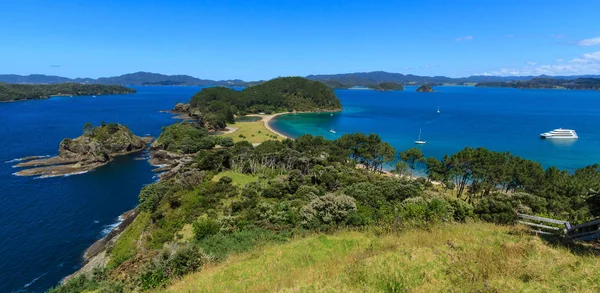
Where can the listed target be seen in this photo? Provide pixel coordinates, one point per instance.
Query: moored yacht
(560, 134)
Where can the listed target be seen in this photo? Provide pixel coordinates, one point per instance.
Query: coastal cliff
(96, 147)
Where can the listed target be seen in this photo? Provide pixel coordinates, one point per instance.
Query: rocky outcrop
(95, 148)
(425, 89)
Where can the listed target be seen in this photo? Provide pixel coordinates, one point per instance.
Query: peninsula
(96, 147)
(217, 106)
(18, 92)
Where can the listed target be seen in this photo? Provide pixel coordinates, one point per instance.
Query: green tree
(412, 156)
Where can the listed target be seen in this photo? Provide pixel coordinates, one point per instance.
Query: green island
(94, 148)
(425, 89)
(387, 86)
(18, 92)
(548, 83)
(313, 214)
(217, 106)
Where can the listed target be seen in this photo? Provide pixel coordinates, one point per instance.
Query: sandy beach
(267, 119)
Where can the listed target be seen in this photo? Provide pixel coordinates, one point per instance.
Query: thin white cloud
(465, 38)
(588, 63)
(530, 63)
(589, 42)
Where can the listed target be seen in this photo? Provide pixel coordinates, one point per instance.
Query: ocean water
(46, 224)
(495, 118)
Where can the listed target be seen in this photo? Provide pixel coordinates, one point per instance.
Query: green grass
(460, 257)
(239, 179)
(254, 132)
(126, 245)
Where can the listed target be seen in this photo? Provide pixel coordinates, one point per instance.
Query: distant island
(548, 83)
(94, 148)
(217, 106)
(425, 89)
(17, 92)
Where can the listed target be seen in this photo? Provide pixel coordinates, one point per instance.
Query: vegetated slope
(13, 92)
(475, 257)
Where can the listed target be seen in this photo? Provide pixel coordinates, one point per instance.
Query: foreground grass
(461, 257)
(254, 132)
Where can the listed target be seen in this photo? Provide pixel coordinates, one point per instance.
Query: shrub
(225, 180)
(174, 261)
(206, 143)
(419, 211)
(462, 210)
(205, 227)
(307, 192)
(226, 142)
(496, 209)
(328, 210)
(151, 195)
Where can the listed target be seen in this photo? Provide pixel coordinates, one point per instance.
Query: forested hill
(137, 78)
(536, 83)
(15, 92)
(284, 94)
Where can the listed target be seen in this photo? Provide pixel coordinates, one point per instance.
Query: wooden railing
(585, 232)
(543, 227)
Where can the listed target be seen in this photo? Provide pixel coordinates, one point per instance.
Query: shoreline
(266, 119)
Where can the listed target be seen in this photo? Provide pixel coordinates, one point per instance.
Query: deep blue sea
(498, 119)
(46, 224)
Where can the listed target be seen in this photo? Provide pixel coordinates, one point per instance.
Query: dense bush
(328, 210)
(174, 261)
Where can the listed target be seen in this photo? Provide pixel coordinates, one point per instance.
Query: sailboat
(438, 110)
(419, 141)
(332, 130)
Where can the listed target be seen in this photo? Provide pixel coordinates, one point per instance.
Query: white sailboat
(332, 130)
(438, 110)
(419, 141)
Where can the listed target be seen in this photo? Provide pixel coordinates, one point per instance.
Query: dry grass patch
(461, 257)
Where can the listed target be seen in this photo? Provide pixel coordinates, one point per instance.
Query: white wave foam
(111, 227)
(21, 159)
(33, 281)
(61, 175)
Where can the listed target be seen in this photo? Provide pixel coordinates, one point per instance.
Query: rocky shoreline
(95, 148)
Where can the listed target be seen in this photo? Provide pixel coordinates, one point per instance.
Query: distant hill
(370, 79)
(138, 78)
(345, 80)
(540, 82)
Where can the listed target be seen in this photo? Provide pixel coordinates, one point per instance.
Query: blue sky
(247, 40)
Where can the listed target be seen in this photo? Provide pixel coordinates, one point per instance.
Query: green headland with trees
(17, 92)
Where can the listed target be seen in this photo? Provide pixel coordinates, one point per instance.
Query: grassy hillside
(459, 257)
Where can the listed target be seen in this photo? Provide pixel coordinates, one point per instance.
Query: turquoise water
(498, 119)
(46, 224)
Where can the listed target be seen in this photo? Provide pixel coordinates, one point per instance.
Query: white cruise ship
(560, 134)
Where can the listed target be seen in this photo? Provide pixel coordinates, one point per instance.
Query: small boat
(419, 141)
(331, 114)
(438, 110)
(560, 134)
(332, 130)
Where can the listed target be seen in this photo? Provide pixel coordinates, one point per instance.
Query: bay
(500, 119)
